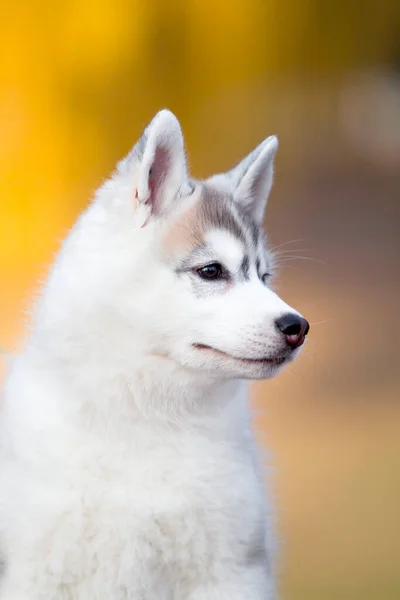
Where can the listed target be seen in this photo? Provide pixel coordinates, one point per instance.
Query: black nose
(295, 328)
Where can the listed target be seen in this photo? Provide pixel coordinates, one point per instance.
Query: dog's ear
(251, 180)
(160, 163)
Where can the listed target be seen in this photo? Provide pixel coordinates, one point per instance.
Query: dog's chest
(165, 510)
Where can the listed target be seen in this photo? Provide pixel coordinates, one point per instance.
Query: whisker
(316, 260)
(273, 248)
(282, 266)
(314, 323)
(284, 252)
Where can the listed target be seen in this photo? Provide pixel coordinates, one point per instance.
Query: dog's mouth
(273, 361)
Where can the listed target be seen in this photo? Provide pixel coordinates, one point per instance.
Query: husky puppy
(128, 469)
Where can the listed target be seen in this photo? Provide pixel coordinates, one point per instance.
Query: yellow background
(79, 81)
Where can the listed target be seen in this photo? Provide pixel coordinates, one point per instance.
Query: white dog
(128, 469)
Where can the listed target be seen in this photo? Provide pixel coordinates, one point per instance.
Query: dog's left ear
(160, 163)
(252, 178)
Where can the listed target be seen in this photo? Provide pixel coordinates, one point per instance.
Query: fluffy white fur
(127, 465)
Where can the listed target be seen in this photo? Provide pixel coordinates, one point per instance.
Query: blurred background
(79, 80)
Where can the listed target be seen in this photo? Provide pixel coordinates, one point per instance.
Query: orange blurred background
(80, 80)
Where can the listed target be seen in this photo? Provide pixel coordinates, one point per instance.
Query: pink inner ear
(157, 176)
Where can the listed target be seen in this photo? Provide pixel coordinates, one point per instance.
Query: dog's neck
(108, 394)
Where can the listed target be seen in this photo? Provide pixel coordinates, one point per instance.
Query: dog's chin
(243, 367)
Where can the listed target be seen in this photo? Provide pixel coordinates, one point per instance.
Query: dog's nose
(294, 328)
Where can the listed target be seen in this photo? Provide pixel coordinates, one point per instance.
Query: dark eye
(212, 271)
(266, 277)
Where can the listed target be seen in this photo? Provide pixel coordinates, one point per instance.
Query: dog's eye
(212, 271)
(266, 277)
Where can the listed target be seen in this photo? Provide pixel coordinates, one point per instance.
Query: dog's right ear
(250, 181)
(159, 163)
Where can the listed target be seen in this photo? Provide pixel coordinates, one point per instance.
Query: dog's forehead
(217, 211)
(209, 209)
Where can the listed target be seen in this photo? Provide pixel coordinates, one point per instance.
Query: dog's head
(184, 264)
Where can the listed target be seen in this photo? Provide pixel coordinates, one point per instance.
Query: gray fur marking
(245, 267)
